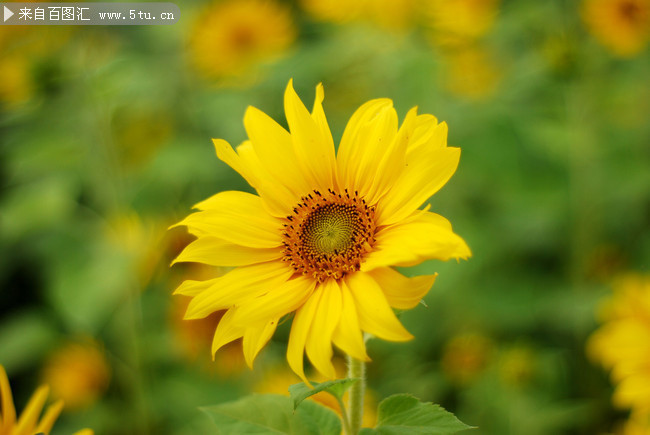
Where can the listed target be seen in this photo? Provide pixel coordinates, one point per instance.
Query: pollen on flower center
(328, 234)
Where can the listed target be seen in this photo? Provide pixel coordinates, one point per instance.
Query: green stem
(356, 369)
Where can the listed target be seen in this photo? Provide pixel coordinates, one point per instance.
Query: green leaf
(272, 414)
(337, 388)
(403, 414)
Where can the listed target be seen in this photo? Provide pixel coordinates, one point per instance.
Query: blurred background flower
(622, 26)
(105, 142)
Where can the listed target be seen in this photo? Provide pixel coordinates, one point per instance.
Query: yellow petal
(347, 335)
(427, 133)
(428, 169)
(313, 150)
(366, 138)
(393, 161)
(192, 288)
(255, 338)
(228, 155)
(218, 252)
(85, 432)
(8, 409)
(226, 331)
(239, 219)
(375, 315)
(274, 147)
(299, 332)
(318, 114)
(401, 292)
(275, 197)
(52, 413)
(426, 236)
(30, 414)
(237, 286)
(319, 340)
(346, 150)
(287, 297)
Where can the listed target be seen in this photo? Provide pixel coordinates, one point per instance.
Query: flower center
(630, 11)
(328, 234)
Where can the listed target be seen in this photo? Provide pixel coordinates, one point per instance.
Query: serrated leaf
(272, 414)
(403, 414)
(337, 388)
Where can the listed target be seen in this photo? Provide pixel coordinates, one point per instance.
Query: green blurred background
(105, 142)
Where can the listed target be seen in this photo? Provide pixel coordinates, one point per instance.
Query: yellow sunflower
(28, 423)
(623, 26)
(232, 36)
(622, 344)
(77, 373)
(322, 235)
(460, 22)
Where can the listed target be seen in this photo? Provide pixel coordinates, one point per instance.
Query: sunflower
(77, 373)
(232, 36)
(622, 26)
(27, 423)
(622, 344)
(322, 235)
(460, 22)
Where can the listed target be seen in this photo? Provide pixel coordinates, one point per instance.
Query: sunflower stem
(356, 369)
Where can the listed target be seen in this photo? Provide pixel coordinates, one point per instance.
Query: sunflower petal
(7, 401)
(299, 333)
(401, 292)
(226, 331)
(347, 335)
(318, 114)
(30, 414)
(366, 138)
(228, 155)
(51, 414)
(239, 219)
(375, 315)
(255, 338)
(275, 197)
(192, 288)
(428, 169)
(393, 161)
(287, 297)
(274, 147)
(319, 341)
(237, 286)
(314, 153)
(218, 252)
(427, 235)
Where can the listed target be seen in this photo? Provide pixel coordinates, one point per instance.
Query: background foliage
(105, 142)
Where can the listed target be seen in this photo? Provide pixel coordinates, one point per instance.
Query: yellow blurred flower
(336, 11)
(465, 357)
(470, 73)
(28, 422)
(139, 132)
(322, 235)
(396, 15)
(389, 14)
(138, 241)
(636, 425)
(278, 380)
(15, 85)
(460, 22)
(232, 36)
(516, 366)
(622, 343)
(22, 47)
(622, 26)
(77, 373)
